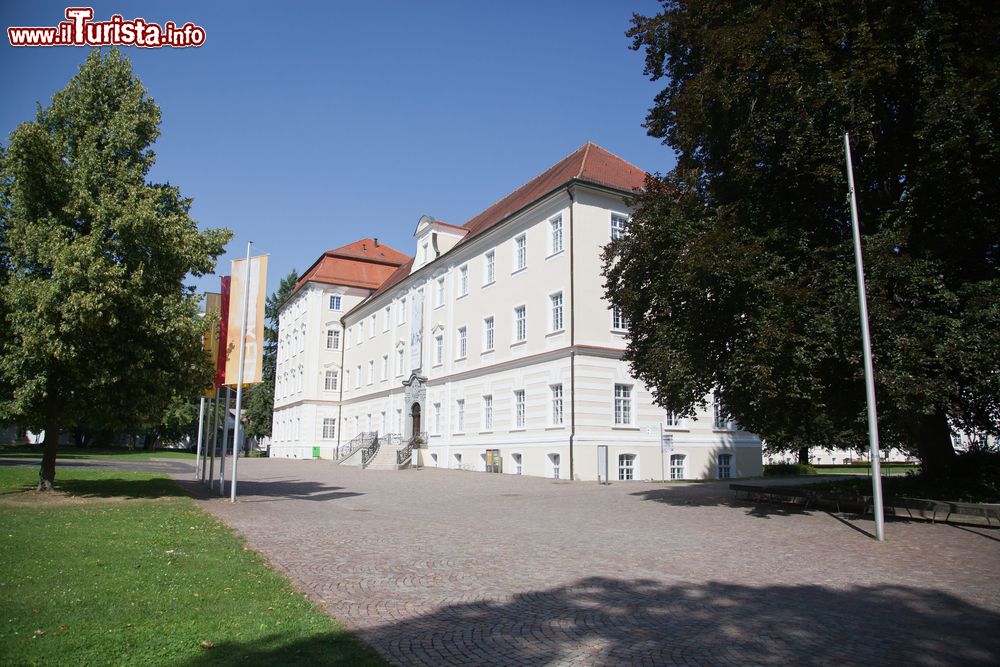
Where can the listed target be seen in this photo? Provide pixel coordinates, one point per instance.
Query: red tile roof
(365, 263)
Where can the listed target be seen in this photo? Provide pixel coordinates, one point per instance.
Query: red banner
(220, 364)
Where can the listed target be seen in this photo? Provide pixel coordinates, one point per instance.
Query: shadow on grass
(258, 491)
(161, 487)
(604, 621)
(333, 648)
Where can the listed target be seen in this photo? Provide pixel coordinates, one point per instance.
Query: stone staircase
(387, 457)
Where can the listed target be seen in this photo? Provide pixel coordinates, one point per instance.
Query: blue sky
(304, 126)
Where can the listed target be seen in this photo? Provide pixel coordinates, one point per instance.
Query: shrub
(788, 469)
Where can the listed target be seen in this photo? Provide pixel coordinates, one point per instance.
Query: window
(463, 281)
(329, 428)
(371, 371)
(347, 378)
(488, 334)
(460, 415)
(399, 420)
(557, 404)
(361, 331)
(556, 301)
(554, 465)
(385, 367)
(489, 273)
(387, 318)
(372, 334)
(439, 292)
(438, 350)
(302, 341)
(618, 320)
(458, 461)
(299, 379)
(332, 339)
(463, 342)
(488, 412)
(672, 418)
(721, 419)
(334, 302)
(437, 417)
(399, 361)
(520, 324)
(626, 466)
(557, 234)
(517, 463)
(401, 311)
(520, 252)
(519, 408)
(617, 226)
(330, 381)
(424, 252)
(371, 425)
(623, 404)
(677, 466)
(382, 425)
(725, 466)
(357, 378)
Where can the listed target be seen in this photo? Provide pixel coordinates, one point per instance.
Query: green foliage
(788, 469)
(260, 397)
(131, 572)
(738, 272)
(99, 326)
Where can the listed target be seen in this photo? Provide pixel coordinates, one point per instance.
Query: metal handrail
(369, 453)
(359, 441)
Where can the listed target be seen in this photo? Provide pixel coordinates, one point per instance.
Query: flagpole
(225, 442)
(239, 382)
(213, 438)
(867, 346)
(201, 432)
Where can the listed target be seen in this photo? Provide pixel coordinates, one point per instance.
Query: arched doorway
(415, 416)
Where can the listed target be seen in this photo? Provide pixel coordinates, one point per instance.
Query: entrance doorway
(415, 415)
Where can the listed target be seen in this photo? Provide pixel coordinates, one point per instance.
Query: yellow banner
(213, 309)
(254, 341)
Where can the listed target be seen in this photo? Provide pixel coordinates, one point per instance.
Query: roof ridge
(586, 154)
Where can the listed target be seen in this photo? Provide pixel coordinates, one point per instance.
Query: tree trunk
(804, 455)
(149, 442)
(933, 444)
(131, 442)
(47, 473)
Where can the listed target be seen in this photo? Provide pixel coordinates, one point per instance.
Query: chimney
(376, 241)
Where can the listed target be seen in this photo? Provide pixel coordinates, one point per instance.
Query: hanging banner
(416, 328)
(212, 340)
(253, 355)
(223, 349)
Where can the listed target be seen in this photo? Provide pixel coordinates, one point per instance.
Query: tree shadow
(604, 621)
(331, 649)
(160, 487)
(258, 491)
(719, 495)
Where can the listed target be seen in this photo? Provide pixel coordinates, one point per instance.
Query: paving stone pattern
(440, 567)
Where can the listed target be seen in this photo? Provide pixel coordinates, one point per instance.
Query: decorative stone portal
(415, 397)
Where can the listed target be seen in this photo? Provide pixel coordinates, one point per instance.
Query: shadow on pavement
(257, 491)
(603, 621)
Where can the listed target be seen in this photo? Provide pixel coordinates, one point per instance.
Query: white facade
(504, 342)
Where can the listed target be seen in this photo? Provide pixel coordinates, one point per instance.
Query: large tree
(260, 400)
(98, 324)
(738, 272)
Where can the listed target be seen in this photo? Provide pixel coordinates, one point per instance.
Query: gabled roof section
(365, 263)
(590, 163)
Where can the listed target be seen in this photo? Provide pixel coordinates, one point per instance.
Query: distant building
(495, 342)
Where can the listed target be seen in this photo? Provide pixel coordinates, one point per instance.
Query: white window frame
(489, 268)
(374, 319)
(460, 415)
(438, 349)
(672, 420)
(463, 280)
(371, 371)
(618, 320)
(439, 293)
(721, 420)
(520, 324)
(487, 413)
(335, 302)
(554, 463)
(678, 466)
(556, 241)
(437, 418)
(462, 336)
(332, 339)
(329, 428)
(401, 313)
(385, 368)
(387, 323)
(330, 380)
(618, 230)
(623, 407)
(520, 252)
(724, 470)
(627, 466)
(519, 409)
(400, 360)
(489, 333)
(357, 380)
(518, 460)
(556, 401)
(557, 320)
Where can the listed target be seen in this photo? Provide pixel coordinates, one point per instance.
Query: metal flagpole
(201, 432)
(663, 472)
(239, 382)
(225, 443)
(867, 345)
(214, 439)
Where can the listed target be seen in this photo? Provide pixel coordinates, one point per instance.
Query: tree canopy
(260, 402)
(738, 274)
(98, 324)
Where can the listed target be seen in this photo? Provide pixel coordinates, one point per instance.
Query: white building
(495, 342)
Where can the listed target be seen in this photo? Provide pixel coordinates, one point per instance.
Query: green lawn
(116, 453)
(123, 569)
(865, 469)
